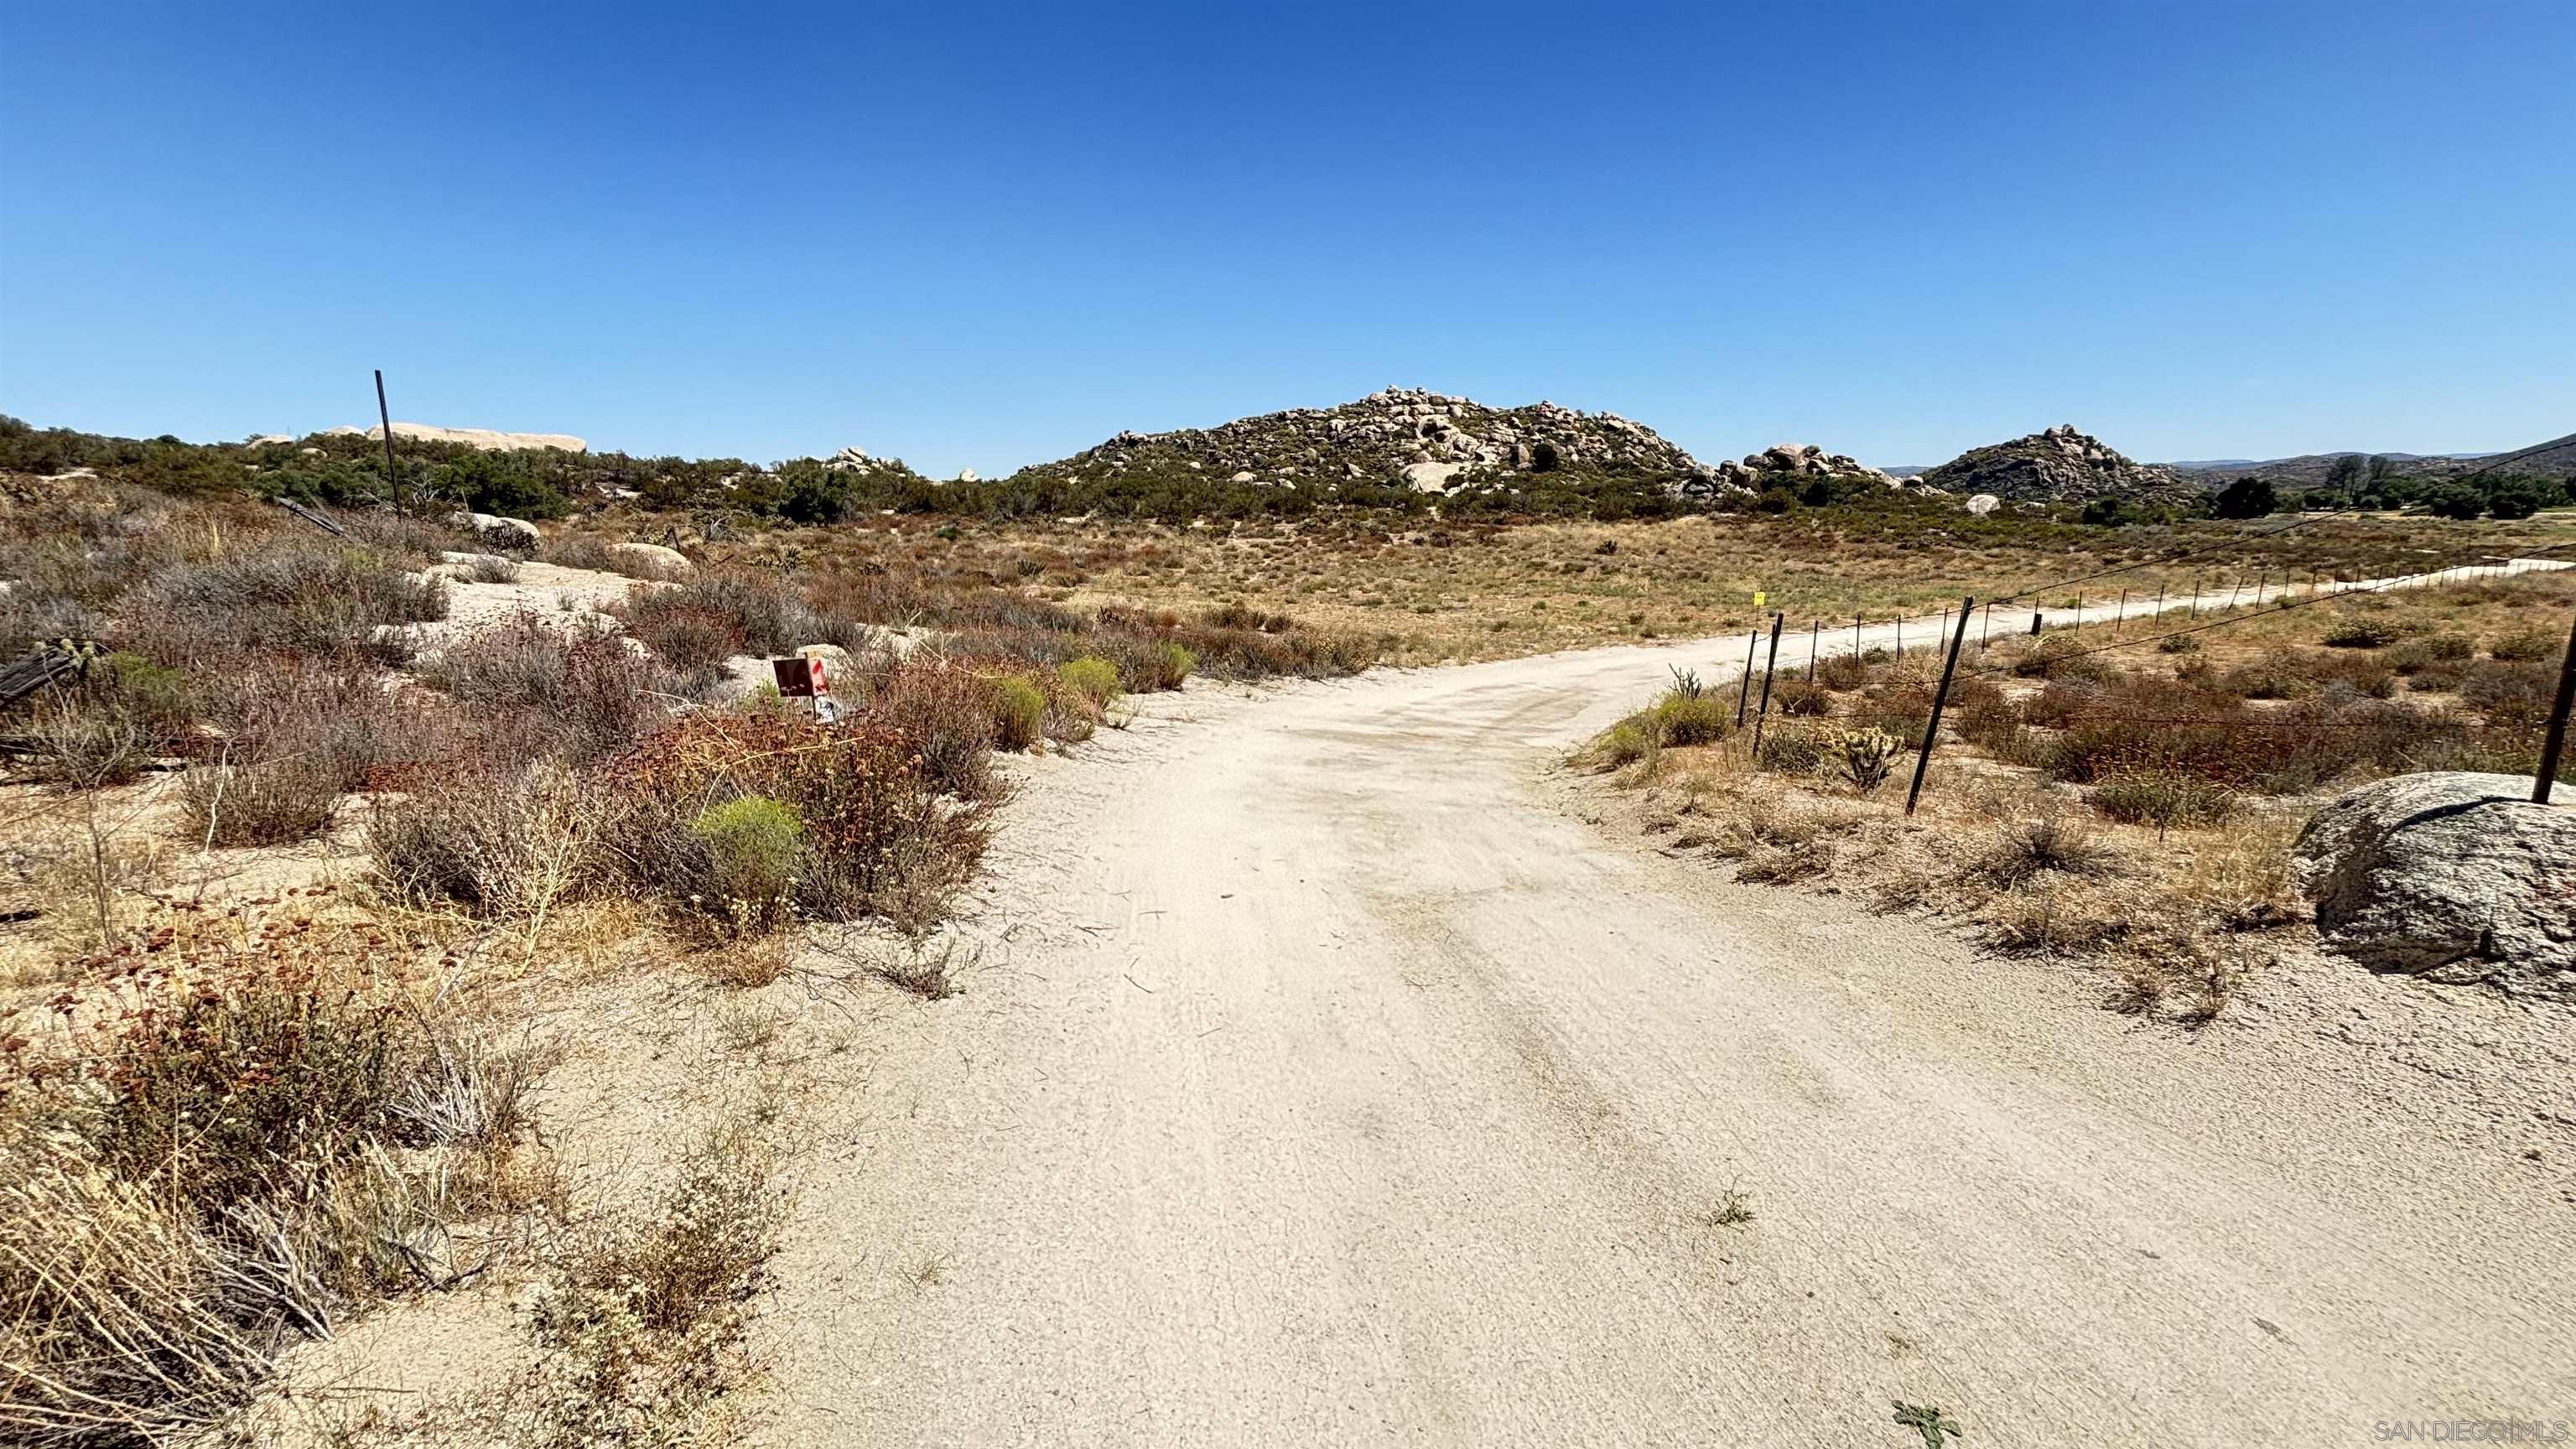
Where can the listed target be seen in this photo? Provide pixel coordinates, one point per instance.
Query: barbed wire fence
(2321, 589)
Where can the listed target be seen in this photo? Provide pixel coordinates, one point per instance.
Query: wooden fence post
(1940, 697)
(1814, 631)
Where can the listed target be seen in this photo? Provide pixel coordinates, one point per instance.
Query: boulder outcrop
(2059, 465)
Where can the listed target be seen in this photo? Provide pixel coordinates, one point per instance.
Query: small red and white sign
(801, 677)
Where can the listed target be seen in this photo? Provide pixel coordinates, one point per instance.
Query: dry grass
(1426, 591)
(259, 1128)
(641, 1325)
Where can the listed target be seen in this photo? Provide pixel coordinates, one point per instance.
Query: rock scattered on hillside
(2454, 875)
(1402, 436)
(2060, 465)
(1789, 461)
(483, 438)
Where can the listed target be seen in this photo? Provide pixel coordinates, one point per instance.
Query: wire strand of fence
(2305, 601)
(2252, 540)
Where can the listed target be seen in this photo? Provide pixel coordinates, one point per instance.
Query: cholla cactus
(1867, 755)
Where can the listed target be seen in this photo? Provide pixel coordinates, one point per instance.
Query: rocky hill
(2060, 465)
(1426, 441)
(1421, 441)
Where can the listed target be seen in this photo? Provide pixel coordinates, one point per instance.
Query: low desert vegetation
(287, 823)
(2128, 804)
(302, 825)
(258, 1122)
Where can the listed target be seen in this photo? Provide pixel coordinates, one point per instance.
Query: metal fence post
(393, 480)
(1940, 697)
(1744, 696)
(1814, 630)
(2556, 740)
(1769, 661)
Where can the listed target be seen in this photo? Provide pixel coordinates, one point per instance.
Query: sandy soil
(1328, 1079)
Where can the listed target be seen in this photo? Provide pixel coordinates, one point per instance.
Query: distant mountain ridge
(2309, 470)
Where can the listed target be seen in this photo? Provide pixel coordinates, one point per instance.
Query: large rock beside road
(2456, 875)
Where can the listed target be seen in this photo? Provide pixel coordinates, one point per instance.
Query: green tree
(2456, 498)
(2110, 511)
(2517, 496)
(2248, 497)
(2345, 475)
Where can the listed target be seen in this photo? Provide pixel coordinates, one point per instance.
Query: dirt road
(1328, 1081)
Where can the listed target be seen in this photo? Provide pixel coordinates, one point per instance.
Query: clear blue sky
(983, 235)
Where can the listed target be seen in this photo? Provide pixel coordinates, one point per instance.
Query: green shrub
(1019, 712)
(1798, 697)
(268, 801)
(2522, 646)
(2415, 655)
(1153, 667)
(1628, 741)
(2063, 656)
(1682, 720)
(2164, 799)
(1796, 751)
(1092, 677)
(2362, 634)
(1842, 671)
(2270, 679)
(754, 842)
(156, 695)
(2178, 644)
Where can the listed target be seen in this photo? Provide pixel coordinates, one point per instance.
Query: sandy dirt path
(1327, 1080)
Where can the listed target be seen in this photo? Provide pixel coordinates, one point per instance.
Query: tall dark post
(1985, 625)
(1769, 661)
(2122, 616)
(1744, 696)
(1940, 697)
(2556, 740)
(1815, 631)
(1855, 636)
(393, 479)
